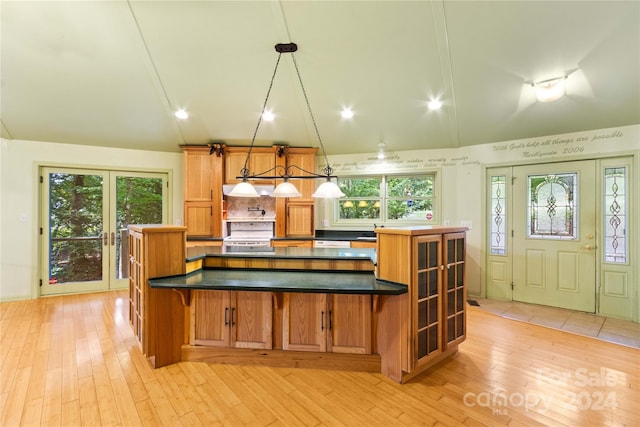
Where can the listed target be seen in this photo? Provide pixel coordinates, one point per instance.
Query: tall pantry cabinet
(428, 323)
(203, 203)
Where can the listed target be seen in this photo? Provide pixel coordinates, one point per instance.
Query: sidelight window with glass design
(615, 215)
(552, 205)
(498, 215)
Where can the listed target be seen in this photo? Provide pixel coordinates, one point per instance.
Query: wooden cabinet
(302, 158)
(300, 219)
(455, 292)
(262, 159)
(363, 244)
(290, 243)
(232, 319)
(335, 323)
(203, 204)
(430, 320)
(156, 251)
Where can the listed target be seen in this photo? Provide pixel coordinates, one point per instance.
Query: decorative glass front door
(554, 235)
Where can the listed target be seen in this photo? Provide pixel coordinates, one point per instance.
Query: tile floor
(604, 328)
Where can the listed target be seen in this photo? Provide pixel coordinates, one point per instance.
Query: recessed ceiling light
(434, 104)
(346, 113)
(267, 116)
(182, 114)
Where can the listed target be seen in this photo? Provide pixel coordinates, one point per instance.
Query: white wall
(19, 162)
(463, 169)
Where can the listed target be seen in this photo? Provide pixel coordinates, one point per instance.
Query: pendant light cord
(245, 171)
(327, 170)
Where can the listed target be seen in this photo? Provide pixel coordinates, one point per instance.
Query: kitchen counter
(201, 252)
(362, 283)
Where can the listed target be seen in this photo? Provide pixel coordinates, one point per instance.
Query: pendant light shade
(244, 189)
(286, 189)
(328, 190)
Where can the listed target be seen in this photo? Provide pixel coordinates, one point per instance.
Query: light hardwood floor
(73, 360)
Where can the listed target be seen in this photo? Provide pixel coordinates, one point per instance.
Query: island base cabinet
(327, 323)
(232, 319)
(425, 326)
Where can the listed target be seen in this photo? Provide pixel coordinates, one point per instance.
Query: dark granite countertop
(200, 252)
(363, 283)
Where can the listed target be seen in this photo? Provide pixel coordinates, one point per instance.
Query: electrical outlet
(325, 222)
(467, 224)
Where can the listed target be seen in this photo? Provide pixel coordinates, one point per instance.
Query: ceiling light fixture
(550, 90)
(381, 154)
(327, 189)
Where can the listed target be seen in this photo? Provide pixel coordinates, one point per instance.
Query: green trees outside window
(381, 198)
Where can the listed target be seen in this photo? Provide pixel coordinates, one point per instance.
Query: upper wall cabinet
(262, 159)
(302, 158)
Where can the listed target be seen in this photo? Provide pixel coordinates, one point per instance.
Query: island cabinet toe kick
(398, 319)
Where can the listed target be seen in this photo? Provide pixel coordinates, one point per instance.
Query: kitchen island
(297, 307)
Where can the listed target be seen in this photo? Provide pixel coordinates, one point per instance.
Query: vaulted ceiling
(112, 73)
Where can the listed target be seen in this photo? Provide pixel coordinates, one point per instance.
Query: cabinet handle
(226, 323)
(331, 320)
(211, 194)
(233, 312)
(105, 239)
(113, 238)
(322, 321)
(210, 210)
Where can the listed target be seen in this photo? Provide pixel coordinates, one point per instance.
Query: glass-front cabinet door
(427, 298)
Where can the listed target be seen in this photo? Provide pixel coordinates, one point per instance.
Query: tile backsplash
(251, 207)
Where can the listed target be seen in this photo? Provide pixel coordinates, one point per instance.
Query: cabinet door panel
(350, 324)
(198, 176)
(198, 217)
(455, 292)
(427, 299)
(300, 220)
(252, 320)
(304, 322)
(211, 318)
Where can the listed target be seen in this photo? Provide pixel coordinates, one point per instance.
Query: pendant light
(327, 189)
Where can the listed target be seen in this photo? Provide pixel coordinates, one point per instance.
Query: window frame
(336, 221)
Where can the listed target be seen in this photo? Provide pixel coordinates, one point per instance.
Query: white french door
(85, 214)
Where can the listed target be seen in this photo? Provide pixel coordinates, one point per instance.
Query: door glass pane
(552, 206)
(615, 215)
(498, 214)
(75, 228)
(138, 201)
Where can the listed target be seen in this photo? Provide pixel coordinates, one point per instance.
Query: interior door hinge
(41, 231)
(512, 233)
(40, 282)
(513, 179)
(41, 179)
(512, 286)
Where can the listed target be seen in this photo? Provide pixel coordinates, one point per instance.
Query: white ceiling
(111, 73)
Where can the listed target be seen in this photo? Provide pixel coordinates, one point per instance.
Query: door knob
(589, 247)
(589, 236)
